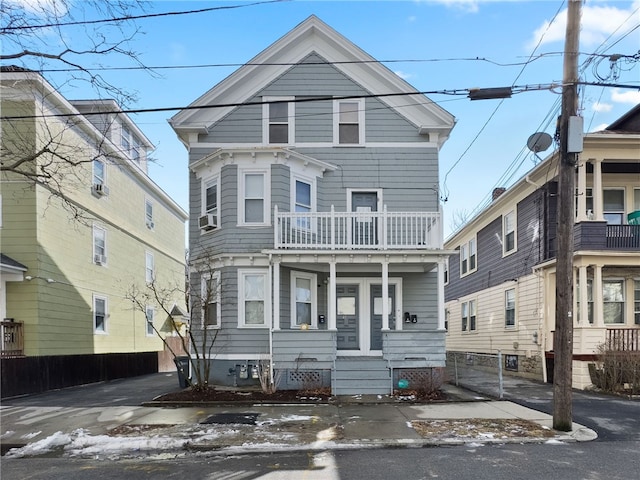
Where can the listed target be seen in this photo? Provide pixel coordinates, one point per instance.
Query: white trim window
(278, 120)
(613, 301)
(148, 214)
(99, 245)
(303, 300)
(135, 150)
(509, 241)
(589, 300)
(99, 172)
(613, 205)
(125, 139)
(348, 128)
(254, 197)
(468, 257)
(468, 313)
(303, 199)
(510, 308)
(149, 268)
(210, 300)
(636, 199)
(100, 314)
(253, 304)
(149, 315)
(210, 201)
(445, 271)
(636, 303)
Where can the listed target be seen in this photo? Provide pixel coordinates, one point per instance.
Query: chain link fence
(479, 372)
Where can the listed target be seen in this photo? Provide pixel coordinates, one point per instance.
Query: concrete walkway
(113, 410)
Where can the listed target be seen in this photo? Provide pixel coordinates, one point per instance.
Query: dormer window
(125, 139)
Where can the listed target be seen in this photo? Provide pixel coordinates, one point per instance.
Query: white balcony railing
(357, 230)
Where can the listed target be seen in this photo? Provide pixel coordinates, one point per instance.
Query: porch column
(581, 214)
(440, 270)
(385, 296)
(331, 297)
(598, 209)
(598, 310)
(275, 319)
(583, 314)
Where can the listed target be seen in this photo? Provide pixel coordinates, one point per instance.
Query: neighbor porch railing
(625, 339)
(357, 230)
(626, 237)
(12, 338)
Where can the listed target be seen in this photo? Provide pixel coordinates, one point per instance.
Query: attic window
(278, 120)
(349, 122)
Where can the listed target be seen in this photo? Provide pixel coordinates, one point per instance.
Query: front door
(347, 317)
(376, 314)
(365, 227)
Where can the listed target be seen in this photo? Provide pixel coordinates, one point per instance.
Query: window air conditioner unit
(101, 189)
(208, 221)
(99, 259)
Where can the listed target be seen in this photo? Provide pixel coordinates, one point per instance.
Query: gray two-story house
(314, 189)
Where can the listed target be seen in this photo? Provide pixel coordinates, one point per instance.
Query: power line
(133, 17)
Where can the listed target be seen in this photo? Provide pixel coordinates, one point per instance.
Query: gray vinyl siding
(494, 269)
(420, 297)
(314, 121)
(242, 125)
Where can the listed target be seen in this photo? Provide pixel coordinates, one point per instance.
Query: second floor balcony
(357, 230)
(591, 235)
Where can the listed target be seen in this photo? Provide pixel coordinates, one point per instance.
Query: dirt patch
(480, 429)
(223, 395)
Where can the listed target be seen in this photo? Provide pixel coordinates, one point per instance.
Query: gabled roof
(313, 36)
(629, 122)
(8, 263)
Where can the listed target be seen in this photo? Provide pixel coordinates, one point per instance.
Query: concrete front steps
(361, 375)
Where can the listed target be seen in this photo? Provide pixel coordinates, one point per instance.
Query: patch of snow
(553, 441)
(40, 447)
(475, 444)
(487, 435)
(31, 435)
(7, 434)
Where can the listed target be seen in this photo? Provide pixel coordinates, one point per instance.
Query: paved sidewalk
(92, 420)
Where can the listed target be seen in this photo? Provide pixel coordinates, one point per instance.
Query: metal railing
(626, 237)
(357, 230)
(12, 338)
(479, 372)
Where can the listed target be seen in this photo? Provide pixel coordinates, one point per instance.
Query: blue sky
(487, 148)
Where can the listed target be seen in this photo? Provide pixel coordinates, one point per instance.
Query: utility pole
(563, 337)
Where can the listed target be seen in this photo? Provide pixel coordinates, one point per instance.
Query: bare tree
(199, 337)
(57, 38)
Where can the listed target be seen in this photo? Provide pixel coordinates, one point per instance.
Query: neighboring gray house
(314, 188)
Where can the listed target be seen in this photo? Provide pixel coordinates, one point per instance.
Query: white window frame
(97, 179)
(636, 301)
(605, 301)
(242, 273)
(294, 200)
(291, 115)
(313, 282)
(94, 311)
(445, 271)
(464, 316)
(506, 233)
(149, 267)
(214, 299)
(636, 199)
(473, 314)
(622, 211)
(126, 138)
(95, 239)
(590, 311)
(266, 198)
(148, 213)
(337, 123)
(149, 316)
(465, 254)
(506, 308)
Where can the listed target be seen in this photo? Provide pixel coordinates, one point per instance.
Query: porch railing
(625, 339)
(358, 230)
(12, 338)
(626, 237)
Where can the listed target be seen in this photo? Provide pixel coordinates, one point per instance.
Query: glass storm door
(376, 314)
(347, 321)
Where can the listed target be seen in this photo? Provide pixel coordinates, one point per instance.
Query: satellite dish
(539, 142)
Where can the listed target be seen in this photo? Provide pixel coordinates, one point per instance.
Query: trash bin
(182, 365)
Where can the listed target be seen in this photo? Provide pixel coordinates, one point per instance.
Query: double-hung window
(99, 172)
(303, 295)
(149, 316)
(613, 200)
(254, 191)
(589, 300)
(303, 201)
(509, 233)
(349, 122)
(510, 308)
(99, 245)
(469, 316)
(252, 298)
(99, 314)
(468, 257)
(125, 139)
(211, 300)
(148, 213)
(278, 120)
(636, 297)
(613, 300)
(149, 270)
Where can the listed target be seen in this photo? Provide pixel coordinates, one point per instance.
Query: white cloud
(598, 22)
(41, 7)
(601, 107)
(403, 75)
(470, 6)
(599, 128)
(625, 96)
